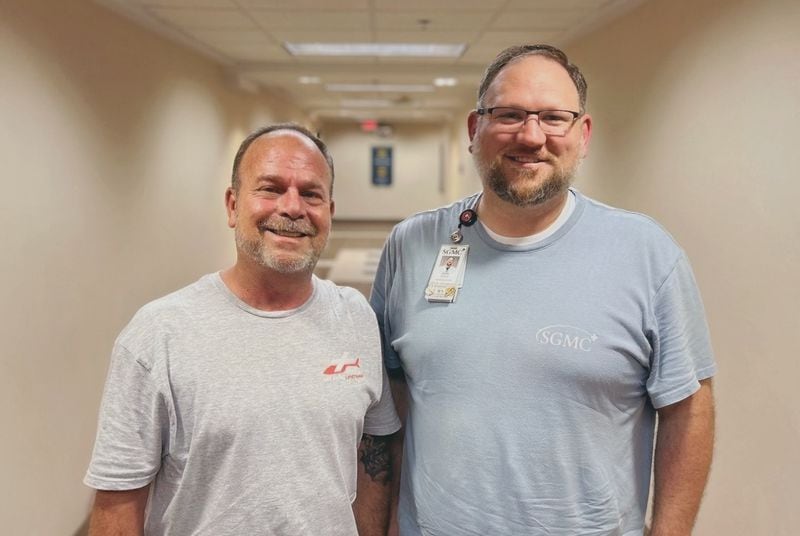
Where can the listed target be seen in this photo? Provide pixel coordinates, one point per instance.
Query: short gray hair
(237, 161)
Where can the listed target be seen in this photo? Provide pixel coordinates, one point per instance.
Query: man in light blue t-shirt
(253, 401)
(531, 377)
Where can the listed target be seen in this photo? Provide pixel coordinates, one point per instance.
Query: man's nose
(290, 204)
(530, 133)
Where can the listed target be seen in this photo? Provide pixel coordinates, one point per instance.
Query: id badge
(447, 276)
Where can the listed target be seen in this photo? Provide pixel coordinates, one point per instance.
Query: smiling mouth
(522, 159)
(287, 228)
(290, 234)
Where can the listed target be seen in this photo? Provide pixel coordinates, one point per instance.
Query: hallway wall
(116, 147)
(420, 163)
(463, 179)
(696, 111)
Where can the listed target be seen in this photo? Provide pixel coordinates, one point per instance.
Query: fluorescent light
(445, 82)
(392, 88)
(423, 50)
(309, 80)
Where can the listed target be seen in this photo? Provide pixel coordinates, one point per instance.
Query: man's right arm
(397, 382)
(118, 513)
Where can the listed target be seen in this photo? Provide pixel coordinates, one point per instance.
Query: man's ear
(230, 206)
(333, 208)
(472, 124)
(586, 134)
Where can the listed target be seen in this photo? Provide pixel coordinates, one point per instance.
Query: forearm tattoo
(373, 453)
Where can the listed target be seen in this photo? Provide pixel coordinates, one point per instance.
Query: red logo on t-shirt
(339, 368)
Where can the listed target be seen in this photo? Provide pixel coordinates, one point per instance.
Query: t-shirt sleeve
(682, 354)
(133, 427)
(379, 301)
(381, 417)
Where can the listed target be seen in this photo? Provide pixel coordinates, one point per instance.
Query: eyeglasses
(552, 122)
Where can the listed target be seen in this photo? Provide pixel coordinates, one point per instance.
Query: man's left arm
(375, 474)
(684, 446)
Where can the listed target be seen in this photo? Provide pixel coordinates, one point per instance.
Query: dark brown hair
(512, 53)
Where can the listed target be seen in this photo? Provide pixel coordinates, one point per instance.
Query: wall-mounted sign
(382, 166)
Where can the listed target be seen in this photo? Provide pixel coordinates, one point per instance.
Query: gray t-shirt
(532, 397)
(245, 421)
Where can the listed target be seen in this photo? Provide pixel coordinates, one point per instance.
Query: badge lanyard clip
(466, 218)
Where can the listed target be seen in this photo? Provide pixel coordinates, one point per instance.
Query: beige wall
(419, 170)
(696, 110)
(115, 150)
(463, 179)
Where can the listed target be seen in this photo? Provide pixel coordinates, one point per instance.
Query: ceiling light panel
(420, 50)
(445, 82)
(383, 88)
(389, 61)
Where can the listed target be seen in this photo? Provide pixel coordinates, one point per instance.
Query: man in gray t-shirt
(253, 401)
(531, 378)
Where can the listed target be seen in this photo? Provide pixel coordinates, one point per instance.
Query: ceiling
(247, 36)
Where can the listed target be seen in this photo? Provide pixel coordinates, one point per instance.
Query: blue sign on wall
(382, 166)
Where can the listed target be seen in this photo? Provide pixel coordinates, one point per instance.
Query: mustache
(287, 225)
(540, 155)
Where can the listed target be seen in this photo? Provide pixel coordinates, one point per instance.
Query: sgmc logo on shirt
(566, 337)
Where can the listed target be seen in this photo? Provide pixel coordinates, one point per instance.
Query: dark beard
(552, 187)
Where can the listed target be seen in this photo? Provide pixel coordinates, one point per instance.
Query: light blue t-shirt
(532, 397)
